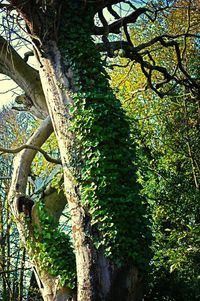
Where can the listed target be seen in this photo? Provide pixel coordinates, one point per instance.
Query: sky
(6, 96)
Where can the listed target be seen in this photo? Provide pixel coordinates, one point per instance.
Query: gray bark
(58, 100)
(12, 65)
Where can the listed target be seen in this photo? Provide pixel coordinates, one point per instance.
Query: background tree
(167, 132)
(15, 267)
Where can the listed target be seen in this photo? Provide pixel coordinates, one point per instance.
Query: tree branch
(159, 38)
(54, 203)
(136, 54)
(5, 178)
(115, 26)
(26, 77)
(113, 12)
(28, 146)
(23, 160)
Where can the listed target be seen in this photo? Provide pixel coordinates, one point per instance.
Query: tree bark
(97, 278)
(12, 65)
(57, 101)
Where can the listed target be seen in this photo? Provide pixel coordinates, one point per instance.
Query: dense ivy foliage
(53, 248)
(106, 174)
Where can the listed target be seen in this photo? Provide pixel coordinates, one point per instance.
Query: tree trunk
(49, 287)
(122, 284)
(96, 281)
(58, 101)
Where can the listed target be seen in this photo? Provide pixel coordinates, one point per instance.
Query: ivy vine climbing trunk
(97, 277)
(59, 101)
(107, 214)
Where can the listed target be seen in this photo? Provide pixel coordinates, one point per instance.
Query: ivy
(53, 249)
(106, 175)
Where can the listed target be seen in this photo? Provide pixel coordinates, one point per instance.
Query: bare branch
(159, 38)
(6, 5)
(113, 12)
(115, 26)
(27, 55)
(23, 160)
(28, 146)
(5, 178)
(148, 67)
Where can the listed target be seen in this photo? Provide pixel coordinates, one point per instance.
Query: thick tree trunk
(122, 284)
(97, 278)
(58, 101)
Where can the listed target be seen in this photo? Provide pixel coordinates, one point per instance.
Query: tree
(72, 87)
(171, 184)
